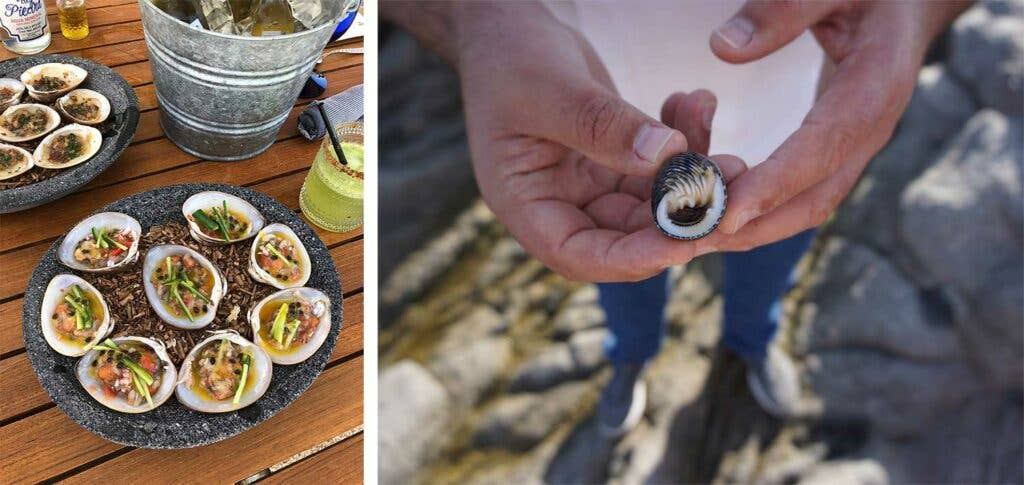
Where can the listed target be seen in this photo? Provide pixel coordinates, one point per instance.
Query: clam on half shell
(105, 221)
(9, 122)
(67, 344)
(11, 91)
(190, 391)
(82, 141)
(14, 161)
(260, 273)
(168, 377)
(84, 106)
(688, 197)
(238, 208)
(47, 82)
(214, 288)
(262, 316)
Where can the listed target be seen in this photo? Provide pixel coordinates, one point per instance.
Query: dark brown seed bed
(126, 297)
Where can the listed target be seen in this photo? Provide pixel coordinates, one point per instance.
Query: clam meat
(74, 316)
(278, 258)
(291, 324)
(68, 146)
(183, 287)
(84, 106)
(107, 241)
(128, 374)
(14, 161)
(223, 373)
(47, 82)
(219, 218)
(688, 197)
(25, 122)
(11, 91)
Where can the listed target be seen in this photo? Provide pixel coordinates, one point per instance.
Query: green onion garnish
(223, 346)
(177, 296)
(136, 368)
(245, 375)
(143, 389)
(277, 329)
(192, 289)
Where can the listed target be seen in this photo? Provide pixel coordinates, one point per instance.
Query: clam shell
(301, 352)
(103, 220)
(21, 166)
(691, 180)
(154, 256)
(206, 200)
(262, 276)
(73, 75)
(52, 297)
(18, 90)
(52, 120)
(91, 138)
(95, 389)
(261, 364)
(104, 104)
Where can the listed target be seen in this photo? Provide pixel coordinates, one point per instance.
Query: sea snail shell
(688, 197)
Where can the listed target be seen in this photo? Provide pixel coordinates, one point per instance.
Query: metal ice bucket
(225, 97)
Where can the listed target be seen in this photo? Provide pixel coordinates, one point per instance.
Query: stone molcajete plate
(172, 425)
(118, 132)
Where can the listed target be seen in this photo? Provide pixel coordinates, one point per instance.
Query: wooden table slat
(51, 5)
(98, 16)
(99, 36)
(50, 444)
(341, 463)
(10, 316)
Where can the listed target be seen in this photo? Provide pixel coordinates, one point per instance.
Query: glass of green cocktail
(332, 195)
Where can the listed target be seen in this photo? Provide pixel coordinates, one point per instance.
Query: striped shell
(688, 198)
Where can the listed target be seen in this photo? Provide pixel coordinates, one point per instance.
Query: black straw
(330, 132)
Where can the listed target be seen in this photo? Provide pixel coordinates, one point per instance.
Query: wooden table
(38, 442)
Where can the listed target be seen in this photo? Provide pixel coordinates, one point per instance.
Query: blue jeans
(754, 283)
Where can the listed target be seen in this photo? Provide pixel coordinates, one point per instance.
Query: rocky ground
(906, 322)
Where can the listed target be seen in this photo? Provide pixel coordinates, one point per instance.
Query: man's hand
(560, 158)
(563, 161)
(876, 50)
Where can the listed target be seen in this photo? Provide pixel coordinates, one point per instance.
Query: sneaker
(775, 383)
(622, 401)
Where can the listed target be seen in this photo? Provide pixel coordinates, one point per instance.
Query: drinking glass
(332, 194)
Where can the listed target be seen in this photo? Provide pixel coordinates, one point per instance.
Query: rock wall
(907, 323)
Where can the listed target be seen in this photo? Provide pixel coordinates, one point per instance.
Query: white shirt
(653, 48)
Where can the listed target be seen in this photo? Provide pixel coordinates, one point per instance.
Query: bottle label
(23, 20)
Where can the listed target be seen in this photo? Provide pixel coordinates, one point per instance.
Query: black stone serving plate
(117, 131)
(172, 425)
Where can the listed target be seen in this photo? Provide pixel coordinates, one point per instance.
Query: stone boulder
(413, 414)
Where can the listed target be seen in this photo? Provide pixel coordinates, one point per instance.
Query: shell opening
(689, 198)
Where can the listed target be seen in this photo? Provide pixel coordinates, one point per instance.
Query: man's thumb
(614, 133)
(760, 28)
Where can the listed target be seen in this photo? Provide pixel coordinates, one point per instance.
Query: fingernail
(709, 114)
(737, 32)
(650, 141)
(743, 219)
